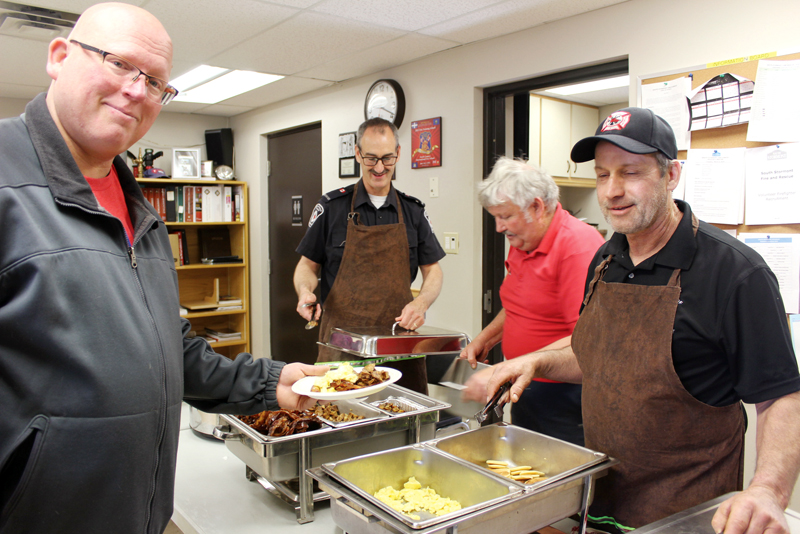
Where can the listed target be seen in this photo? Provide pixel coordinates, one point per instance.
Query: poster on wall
(426, 141)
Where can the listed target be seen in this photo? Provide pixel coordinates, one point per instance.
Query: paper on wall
(775, 113)
(782, 254)
(714, 181)
(668, 101)
(724, 100)
(773, 184)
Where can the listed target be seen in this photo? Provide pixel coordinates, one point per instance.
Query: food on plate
(331, 413)
(414, 498)
(278, 423)
(391, 407)
(344, 378)
(522, 473)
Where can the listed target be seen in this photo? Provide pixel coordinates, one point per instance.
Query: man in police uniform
(681, 323)
(365, 242)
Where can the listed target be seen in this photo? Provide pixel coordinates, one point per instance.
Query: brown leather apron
(675, 452)
(371, 288)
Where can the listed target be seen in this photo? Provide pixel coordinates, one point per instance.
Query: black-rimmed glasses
(373, 160)
(157, 89)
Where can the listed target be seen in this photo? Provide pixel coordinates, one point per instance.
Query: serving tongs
(494, 404)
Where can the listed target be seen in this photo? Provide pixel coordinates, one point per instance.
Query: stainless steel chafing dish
(388, 343)
(490, 502)
(280, 463)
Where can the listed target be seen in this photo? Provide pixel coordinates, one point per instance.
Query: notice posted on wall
(782, 254)
(773, 184)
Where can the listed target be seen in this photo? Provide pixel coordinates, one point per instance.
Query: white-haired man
(549, 253)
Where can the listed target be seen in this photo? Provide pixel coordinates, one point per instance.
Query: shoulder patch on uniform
(336, 193)
(425, 213)
(317, 211)
(409, 197)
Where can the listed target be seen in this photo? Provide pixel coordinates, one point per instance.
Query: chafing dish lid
(374, 341)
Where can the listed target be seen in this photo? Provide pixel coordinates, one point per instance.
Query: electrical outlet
(434, 187)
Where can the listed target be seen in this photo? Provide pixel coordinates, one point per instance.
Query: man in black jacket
(94, 362)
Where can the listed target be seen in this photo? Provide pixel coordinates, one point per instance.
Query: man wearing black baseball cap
(681, 323)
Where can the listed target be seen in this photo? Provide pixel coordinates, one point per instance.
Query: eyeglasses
(157, 89)
(372, 160)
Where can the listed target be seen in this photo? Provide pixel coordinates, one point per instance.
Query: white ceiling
(313, 43)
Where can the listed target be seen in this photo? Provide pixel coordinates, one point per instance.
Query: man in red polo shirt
(541, 294)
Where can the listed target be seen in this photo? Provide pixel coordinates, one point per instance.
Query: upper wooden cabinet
(555, 126)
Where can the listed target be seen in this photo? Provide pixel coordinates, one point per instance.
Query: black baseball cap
(636, 130)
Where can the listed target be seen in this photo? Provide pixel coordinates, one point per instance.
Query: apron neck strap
(599, 271)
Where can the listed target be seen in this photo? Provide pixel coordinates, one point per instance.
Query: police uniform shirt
(730, 340)
(327, 229)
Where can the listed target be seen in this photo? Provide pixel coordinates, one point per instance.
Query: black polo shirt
(731, 339)
(327, 229)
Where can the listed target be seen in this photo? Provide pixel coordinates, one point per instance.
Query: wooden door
(294, 183)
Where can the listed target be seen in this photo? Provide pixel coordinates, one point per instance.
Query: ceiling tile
(408, 15)
(302, 42)
(206, 27)
(23, 62)
(277, 91)
(511, 16)
(222, 110)
(383, 56)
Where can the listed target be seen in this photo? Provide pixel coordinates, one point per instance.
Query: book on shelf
(223, 334)
(175, 245)
(183, 245)
(170, 204)
(229, 300)
(221, 259)
(214, 242)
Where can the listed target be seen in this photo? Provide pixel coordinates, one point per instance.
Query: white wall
(655, 35)
(12, 107)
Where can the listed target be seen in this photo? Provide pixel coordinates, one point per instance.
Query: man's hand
(476, 386)
(291, 373)
(308, 308)
(476, 351)
(519, 371)
(413, 315)
(753, 511)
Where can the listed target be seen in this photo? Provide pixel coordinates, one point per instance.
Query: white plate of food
(327, 383)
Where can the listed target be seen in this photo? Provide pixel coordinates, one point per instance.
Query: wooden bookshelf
(196, 280)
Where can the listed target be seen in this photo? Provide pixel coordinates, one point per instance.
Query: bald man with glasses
(93, 359)
(366, 242)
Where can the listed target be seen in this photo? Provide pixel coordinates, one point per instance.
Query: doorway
(501, 138)
(294, 187)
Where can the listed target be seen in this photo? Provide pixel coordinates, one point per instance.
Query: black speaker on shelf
(219, 146)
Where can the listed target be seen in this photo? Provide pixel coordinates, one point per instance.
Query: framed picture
(426, 141)
(348, 166)
(186, 163)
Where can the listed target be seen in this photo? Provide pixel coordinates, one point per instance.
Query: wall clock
(385, 99)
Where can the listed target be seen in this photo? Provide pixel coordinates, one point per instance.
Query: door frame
(494, 146)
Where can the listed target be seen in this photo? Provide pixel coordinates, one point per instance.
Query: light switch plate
(451, 242)
(434, 187)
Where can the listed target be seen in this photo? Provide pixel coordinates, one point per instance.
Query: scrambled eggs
(345, 371)
(414, 498)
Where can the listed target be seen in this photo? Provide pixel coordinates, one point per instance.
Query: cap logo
(616, 121)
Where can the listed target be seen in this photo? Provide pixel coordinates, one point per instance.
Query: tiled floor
(172, 528)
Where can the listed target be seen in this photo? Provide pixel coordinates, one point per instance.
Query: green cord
(606, 520)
